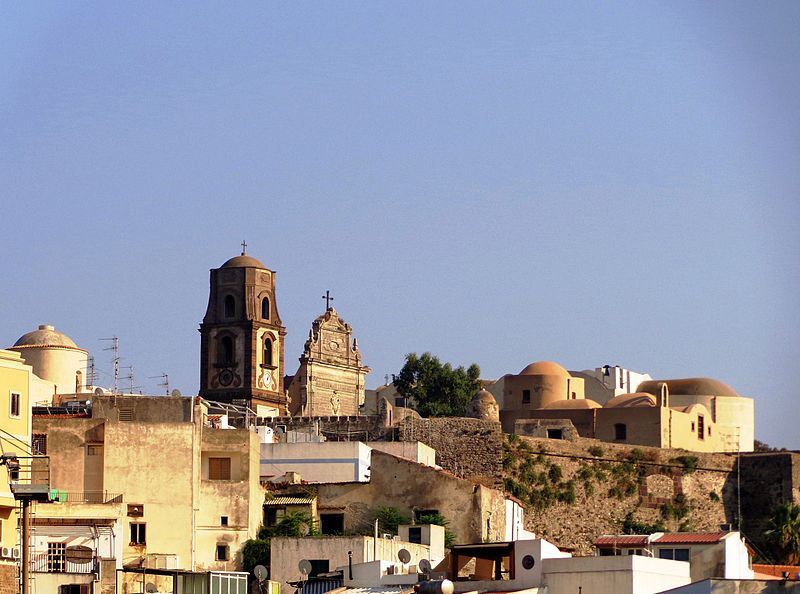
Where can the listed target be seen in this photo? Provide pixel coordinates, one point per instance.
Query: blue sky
(592, 183)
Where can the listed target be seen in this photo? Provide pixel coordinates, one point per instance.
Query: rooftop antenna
(129, 377)
(114, 347)
(91, 372)
(164, 383)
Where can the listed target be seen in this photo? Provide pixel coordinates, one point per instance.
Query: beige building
(537, 385)
(58, 363)
(242, 338)
(696, 414)
(331, 376)
(189, 493)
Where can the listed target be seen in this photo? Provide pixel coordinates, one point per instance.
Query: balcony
(45, 562)
(95, 497)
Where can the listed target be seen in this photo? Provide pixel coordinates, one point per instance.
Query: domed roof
(571, 404)
(693, 386)
(45, 336)
(484, 406)
(544, 368)
(243, 261)
(631, 400)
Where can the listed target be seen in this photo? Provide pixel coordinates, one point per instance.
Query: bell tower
(241, 338)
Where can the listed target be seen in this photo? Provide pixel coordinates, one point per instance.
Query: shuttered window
(219, 469)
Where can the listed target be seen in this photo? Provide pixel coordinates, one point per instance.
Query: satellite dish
(260, 572)
(150, 587)
(404, 555)
(98, 391)
(425, 566)
(176, 393)
(304, 566)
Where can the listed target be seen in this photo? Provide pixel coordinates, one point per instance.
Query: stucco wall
(330, 461)
(613, 575)
(409, 486)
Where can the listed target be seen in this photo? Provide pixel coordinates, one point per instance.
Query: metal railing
(101, 497)
(43, 562)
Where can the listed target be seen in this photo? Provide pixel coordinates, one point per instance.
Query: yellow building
(15, 437)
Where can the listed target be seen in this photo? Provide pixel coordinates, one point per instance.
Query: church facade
(331, 376)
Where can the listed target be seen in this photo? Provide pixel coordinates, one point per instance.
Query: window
(94, 450)
(415, 534)
(674, 554)
(526, 396)
(399, 401)
(265, 308)
(701, 427)
(222, 552)
(268, 352)
(555, 434)
(331, 523)
(420, 514)
(135, 510)
(319, 566)
(219, 469)
(620, 431)
(56, 557)
(15, 404)
(138, 533)
(74, 589)
(225, 355)
(230, 307)
(223, 520)
(39, 443)
(273, 515)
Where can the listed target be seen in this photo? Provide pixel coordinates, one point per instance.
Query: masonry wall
(469, 448)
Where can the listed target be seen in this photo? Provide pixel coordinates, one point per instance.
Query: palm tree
(783, 533)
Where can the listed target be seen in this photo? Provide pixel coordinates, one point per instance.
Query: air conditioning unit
(6, 552)
(15, 552)
(386, 535)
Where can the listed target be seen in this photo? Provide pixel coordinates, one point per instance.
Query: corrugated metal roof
(691, 538)
(377, 590)
(626, 540)
(288, 501)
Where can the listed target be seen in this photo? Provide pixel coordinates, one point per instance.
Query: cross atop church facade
(244, 247)
(327, 297)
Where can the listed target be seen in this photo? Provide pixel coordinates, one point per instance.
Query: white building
(601, 384)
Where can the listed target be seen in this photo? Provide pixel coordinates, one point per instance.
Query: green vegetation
(596, 451)
(783, 534)
(631, 526)
(712, 495)
(389, 518)
(439, 520)
(678, 509)
(437, 388)
(689, 463)
(256, 551)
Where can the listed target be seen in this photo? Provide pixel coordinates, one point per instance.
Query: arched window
(265, 308)
(225, 354)
(230, 306)
(268, 352)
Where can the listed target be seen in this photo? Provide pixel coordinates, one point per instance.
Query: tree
(436, 389)
(783, 534)
(389, 518)
(255, 552)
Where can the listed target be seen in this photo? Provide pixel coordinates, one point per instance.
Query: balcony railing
(49, 563)
(101, 497)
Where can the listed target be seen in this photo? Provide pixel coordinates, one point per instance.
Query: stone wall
(8, 578)
(590, 493)
(768, 480)
(469, 448)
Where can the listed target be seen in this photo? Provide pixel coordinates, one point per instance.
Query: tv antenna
(115, 348)
(164, 383)
(129, 378)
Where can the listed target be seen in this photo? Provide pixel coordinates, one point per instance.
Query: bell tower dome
(242, 338)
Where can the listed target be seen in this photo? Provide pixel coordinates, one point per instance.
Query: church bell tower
(241, 338)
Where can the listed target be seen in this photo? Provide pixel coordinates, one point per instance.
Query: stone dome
(484, 406)
(45, 336)
(693, 386)
(572, 404)
(544, 368)
(243, 261)
(635, 399)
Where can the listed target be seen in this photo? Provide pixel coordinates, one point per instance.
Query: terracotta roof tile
(691, 538)
(626, 540)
